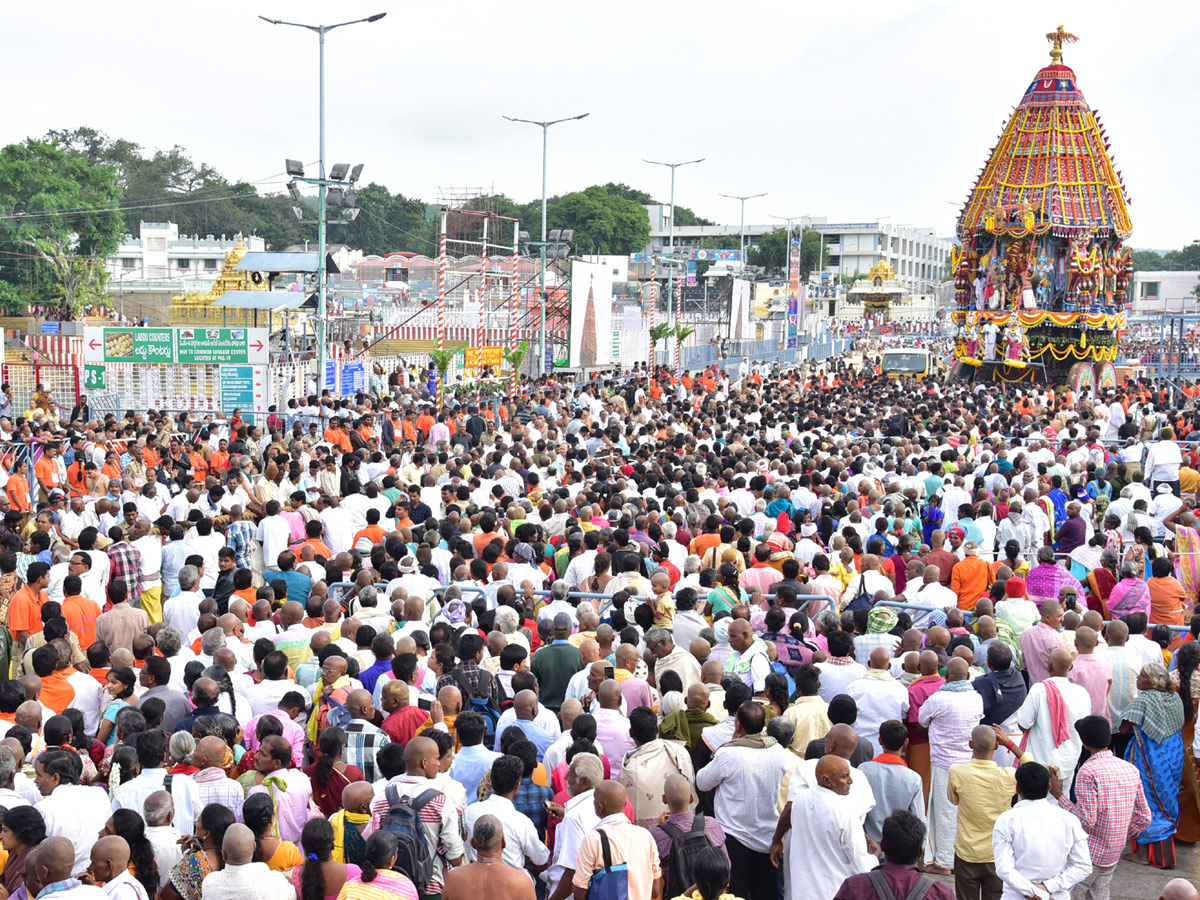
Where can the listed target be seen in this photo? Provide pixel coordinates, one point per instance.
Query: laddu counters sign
(176, 345)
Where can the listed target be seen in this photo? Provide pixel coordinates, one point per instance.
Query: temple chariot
(1042, 274)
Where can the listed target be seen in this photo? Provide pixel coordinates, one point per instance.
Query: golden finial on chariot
(1058, 38)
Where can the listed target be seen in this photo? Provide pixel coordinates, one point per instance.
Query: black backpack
(414, 856)
(684, 850)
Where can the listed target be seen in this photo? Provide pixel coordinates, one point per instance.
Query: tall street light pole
(671, 226)
(545, 126)
(742, 243)
(321, 31)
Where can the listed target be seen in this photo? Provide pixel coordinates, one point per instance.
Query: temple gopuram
(196, 308)
(1042, 274)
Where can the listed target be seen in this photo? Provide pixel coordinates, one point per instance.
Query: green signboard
(138, 345)
(237, 388)
(93, 378)
(216, 345)
(188, 346)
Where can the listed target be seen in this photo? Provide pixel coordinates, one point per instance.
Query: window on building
(210, 264)
(183, 263)
(128, 262)
(1150, 290)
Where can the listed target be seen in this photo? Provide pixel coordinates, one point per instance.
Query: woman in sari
(1144, 549)
(330, 774)
(201, 855)
(258, 814)
(1130, 594)
(378, 880)
(1155, 721)
(1182, 523)
(1101, 581)
(1185, 678)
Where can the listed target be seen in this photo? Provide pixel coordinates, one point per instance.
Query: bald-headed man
(421, 758)
(55, 862)
(1037, 717)
(612, 728)
(981, 790)
(484, 877)
(403, 718)
(879, 696)
(241, 877)
(949, 716)
(158, 811)
(927, 683)
(364, 739)
(828, 843)
(628, 844)
(294, 639)
(110, 868)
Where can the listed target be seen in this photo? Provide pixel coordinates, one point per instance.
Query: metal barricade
(826, 603)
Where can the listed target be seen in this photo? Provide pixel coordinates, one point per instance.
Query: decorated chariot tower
(1042, 276)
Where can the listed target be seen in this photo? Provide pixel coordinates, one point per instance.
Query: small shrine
(878, 292)
(1042, 275)
(196, 307)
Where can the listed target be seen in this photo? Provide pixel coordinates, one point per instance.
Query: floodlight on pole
(742, 240)
(545, 126)
(294, 190)
(339, 171)
(320, 31)
(294, 167)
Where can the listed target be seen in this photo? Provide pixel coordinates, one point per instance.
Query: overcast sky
(853, 111)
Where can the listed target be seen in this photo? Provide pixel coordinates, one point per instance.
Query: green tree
(1148, 260)
(1186, 260)
(771, 253)
(604, 223)
(441, 360)
(810, 248)
(62, 212)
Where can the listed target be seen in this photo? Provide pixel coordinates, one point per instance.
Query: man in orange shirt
(25, 609)
(424, 422)
(372, 532)
(970, 577)
(709, 539)
(79, 611)
(335, 435)
(48, 474)
(218, 462)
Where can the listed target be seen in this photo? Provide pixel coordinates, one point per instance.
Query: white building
(920, 258)
(1170, 291)
(160, 259)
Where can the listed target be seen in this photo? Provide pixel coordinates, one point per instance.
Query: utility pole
(742, 239)
(671, 228)
(321, 31)
(545, 126)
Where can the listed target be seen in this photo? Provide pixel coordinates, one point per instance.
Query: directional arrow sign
(177, 345)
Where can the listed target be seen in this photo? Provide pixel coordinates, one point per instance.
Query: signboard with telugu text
(168, 346)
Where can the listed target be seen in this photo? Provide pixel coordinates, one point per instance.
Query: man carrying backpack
(424, 820)
(616, 860)
(683, 835)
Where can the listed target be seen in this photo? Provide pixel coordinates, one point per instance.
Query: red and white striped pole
(653, 309)
(441, 302)
(480, 338)
(512, 325)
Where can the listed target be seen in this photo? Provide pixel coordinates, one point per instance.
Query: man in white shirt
(879, 696)
(207, 544)
(241, 877)
(1040, 849)
(151, 751)
(71, 810)
(521, 843)
(182, 611)
(578, 818)
(273, 533)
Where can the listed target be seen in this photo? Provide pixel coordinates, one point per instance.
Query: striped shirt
(239, 537)
(440, 818)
